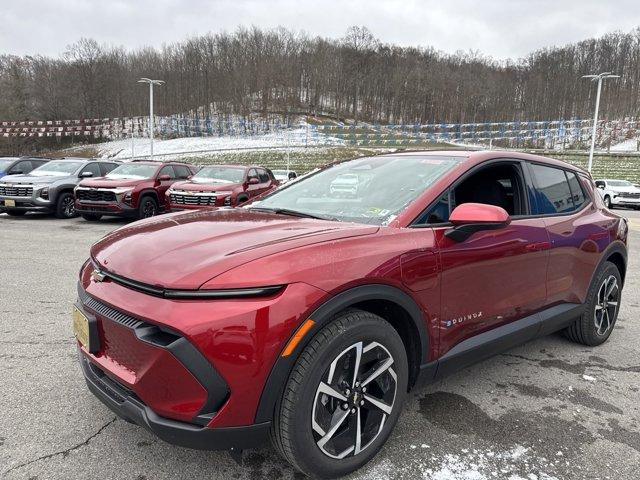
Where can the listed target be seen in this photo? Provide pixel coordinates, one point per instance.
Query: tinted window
(263, 175)
(552, 191)
(93, 168)
(182, 172)
(599, 183)
(23, 166)
(438, 212)
(577, 192)
(168, 170)
(107, 167)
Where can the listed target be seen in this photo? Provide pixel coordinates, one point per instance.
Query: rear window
(553, 190)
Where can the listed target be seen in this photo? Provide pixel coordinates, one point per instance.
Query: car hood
(103, 182)
(185, 250)
(625, 189)
(34, 179)
(206, 187)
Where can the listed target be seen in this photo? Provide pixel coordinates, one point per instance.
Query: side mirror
(164, 178)
(253, 181)
(86, 174)
(469, 218)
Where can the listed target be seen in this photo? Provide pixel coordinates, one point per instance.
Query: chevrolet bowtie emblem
(97, 276)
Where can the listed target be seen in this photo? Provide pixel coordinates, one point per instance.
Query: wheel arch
(615, 253)
(146, 193)
(390, 303)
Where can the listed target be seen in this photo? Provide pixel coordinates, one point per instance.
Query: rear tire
(65, 206)
(91, 217)
(322, 389)
(601, 310)
(148, 207)
(15, 213)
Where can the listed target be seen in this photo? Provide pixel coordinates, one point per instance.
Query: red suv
(308, 316)
(221, 186)
(136, 189)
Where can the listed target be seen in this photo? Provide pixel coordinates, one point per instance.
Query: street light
(599, 77)
(151, 84)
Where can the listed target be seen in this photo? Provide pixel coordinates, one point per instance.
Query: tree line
(353, 77)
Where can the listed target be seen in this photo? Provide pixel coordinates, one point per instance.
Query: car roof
(153, 162)
(478, 156)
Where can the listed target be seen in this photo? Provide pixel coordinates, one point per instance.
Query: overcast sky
(500, 28)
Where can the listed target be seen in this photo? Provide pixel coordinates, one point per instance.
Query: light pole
(151, 84)
(599, 77)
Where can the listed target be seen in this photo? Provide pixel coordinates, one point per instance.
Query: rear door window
(552, 191)
(263, 175)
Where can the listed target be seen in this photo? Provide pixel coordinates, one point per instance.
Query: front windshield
(57, 168)
(219, 175)
(620, 183)
(367, 190)
(4, 164)
(133, 170)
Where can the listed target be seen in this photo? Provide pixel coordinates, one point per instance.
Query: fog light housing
(227, 201)
(127, 199)
(44, 193)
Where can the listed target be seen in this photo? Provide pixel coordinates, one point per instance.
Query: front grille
(107, 311)
(629, 195)
(96, 195)
(204, 200)
(17, 191)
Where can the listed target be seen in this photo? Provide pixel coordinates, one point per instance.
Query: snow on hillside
(630, 145)
(296, 138)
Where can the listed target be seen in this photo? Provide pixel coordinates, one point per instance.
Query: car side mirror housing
(164, 178)
(469, 218)
(86, 174)
(253, 181)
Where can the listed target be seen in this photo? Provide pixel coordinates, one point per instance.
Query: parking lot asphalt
(548, 409)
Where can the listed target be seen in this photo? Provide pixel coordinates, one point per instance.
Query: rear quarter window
(552, 190)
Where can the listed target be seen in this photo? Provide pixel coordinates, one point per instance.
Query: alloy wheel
(606, 307)
(68, 207)
(149, 209)
(355, 396)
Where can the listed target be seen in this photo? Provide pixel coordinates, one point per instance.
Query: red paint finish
(195, 195)
(478, 213)
(127, 204)
(463, 288)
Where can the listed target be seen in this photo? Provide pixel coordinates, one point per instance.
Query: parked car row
(94, 188)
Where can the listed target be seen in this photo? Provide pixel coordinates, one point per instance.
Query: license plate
(9, 203)
(81, 328)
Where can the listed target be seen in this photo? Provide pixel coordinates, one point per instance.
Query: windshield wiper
(293, 213)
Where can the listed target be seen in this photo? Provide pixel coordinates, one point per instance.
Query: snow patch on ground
(294, 138)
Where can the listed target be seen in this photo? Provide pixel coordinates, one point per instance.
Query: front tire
(343, 396)
(607, 201)
(65, 206)
(148, 207)
(601, 310)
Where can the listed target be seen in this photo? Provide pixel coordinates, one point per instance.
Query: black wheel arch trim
(272, 390)
(615, 247)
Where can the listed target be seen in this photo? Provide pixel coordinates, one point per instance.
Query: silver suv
(49, 188)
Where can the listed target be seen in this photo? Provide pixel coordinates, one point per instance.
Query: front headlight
(121, 190)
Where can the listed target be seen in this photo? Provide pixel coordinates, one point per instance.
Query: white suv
(619, 193)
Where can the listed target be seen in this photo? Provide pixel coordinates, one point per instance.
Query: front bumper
(106, 208)
(625, 201)
(32, 203)
(130, 408)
